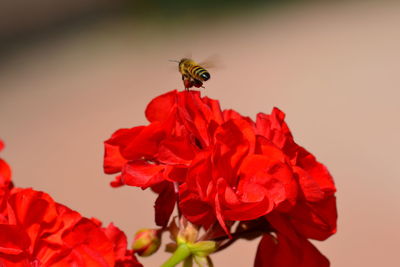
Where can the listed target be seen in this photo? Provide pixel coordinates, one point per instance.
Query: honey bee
(192, 73)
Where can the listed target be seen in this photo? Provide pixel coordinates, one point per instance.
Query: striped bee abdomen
(199, 73)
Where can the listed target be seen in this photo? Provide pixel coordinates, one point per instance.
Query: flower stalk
(180, 254)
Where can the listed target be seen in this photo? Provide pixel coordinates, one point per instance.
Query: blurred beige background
(333, 68)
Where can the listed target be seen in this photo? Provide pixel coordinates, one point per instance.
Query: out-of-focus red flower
(36, 231)
(43, 232)
(5, 171)
(5, 185)
(123, 256)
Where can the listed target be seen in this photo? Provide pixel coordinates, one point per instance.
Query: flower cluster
(220, 167)
(37, 231)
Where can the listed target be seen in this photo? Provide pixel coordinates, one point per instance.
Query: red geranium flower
(36, 231)
(227, 166)
(42, 232)
(221, 167)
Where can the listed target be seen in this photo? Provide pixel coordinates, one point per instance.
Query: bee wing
(210, 62)
(188, 55)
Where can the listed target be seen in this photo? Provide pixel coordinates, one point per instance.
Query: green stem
(180, 254)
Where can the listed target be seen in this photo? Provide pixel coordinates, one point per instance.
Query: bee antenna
(174, 60)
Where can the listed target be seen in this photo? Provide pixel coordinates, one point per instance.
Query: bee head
(181, 62)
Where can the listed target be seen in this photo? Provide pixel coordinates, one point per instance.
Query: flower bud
(146, 242)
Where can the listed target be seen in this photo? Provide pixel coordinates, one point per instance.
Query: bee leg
(197, 83)
(187, 83)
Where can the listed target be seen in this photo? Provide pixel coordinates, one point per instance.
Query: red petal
(13, 240)
(250, 205)
(34, 211)
(176, 173)
(199, 116)
(142, 174)
(117, 182)
(273, 127)
(270, 172)
(283, 252)
(315, 220)
(266, 252)
(316, 171)
(230, 114)
(5, 187)
(90, 246)
(292, 249)
(67, 218)
(309, 186)
(118, 239)
(165, 203)
(236, 209)
(215, 109)
(146, 143)
(175, 151)
(158, 109)
(5, 174)
(123, 137)
(200, 174)
(235, 133)
(113, 160)
(137, 142)
(194, 209)
(218, 211)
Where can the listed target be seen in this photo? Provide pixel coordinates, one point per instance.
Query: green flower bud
(146, 242)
